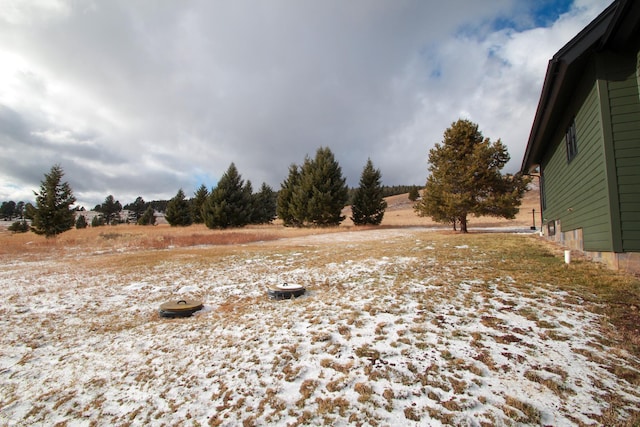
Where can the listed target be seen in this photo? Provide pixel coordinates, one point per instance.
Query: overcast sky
(142, 98)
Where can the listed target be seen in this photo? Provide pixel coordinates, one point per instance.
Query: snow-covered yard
(398, 327)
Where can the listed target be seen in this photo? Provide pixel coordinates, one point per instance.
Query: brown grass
(521, 411)
(123, 237)
(91, 240)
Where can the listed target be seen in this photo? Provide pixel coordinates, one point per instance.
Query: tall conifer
(229, 204)
(52, 214)
(264, 205)
(284, 202)
(200, 198)
(178, 211)
(368, 204)
(315, 193)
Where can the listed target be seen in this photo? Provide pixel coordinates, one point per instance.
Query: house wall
(624, 100)
(576, 192)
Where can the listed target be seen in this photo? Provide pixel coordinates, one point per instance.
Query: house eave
(556, 84)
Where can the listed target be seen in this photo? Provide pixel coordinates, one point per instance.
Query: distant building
(126, 216)
(585, 140)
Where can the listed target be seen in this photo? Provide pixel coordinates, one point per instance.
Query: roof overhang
(611, 26)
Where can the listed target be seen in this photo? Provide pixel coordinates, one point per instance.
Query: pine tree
(299, 205)
(137, 208)
(368, 204)
(20, 209)
(328, 193)
(29, 211)
(248, 193)
(8, 210)
(52, 214)
(315, 193)
(229, 204)
(97, 221)
(465, 178)
(110, 210)
(264, 205)
(414, 193)
(148, 217)
(81, 222)
(19, 226)
(200, 198)
(178, 211)
(285, 197)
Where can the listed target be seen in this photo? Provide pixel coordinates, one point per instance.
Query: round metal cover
(285, 291)
(287, 286)
(180, 308)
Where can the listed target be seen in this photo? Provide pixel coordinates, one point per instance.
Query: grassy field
(400, 325)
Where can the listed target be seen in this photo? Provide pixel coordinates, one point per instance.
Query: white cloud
(142, 98)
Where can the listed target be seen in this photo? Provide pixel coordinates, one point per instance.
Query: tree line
(464, 179)
(319, 193)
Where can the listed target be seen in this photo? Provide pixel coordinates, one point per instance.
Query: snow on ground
(382, 337)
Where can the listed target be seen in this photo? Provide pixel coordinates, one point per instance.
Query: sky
(143, 98)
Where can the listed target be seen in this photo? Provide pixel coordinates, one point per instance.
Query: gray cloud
(146, 97)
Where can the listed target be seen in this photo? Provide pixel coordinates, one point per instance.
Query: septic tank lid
(180, 308)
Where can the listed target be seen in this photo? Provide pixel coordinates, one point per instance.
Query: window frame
(571, 141)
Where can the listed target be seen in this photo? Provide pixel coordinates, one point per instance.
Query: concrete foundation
(573, 239)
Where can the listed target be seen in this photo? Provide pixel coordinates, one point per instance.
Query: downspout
(539, 176)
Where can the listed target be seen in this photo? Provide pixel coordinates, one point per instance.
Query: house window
(572, 143)
(638, 74)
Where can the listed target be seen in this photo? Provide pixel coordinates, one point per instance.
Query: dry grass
(123, 237)
(414, 324)
(521, 411)
(399, 213)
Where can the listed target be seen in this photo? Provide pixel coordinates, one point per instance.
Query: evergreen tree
(284, 201)
(368, 204)
(20, 207)
(178, 211)
(110, 210)
(248, 193)
(264, 205)
(229, 204)
(97, 221)
(8, 210)
(19, 226)
(465, 178)
(29, 211)
(197, 202)
(159, 205)
(299, 207)
(148, 217)
(316, 194)
(137, 208)
(328, 190)
(52, 214)
(414, 193)
(81, 222)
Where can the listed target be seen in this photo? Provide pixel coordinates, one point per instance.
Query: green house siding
(576, 192)
(590, 185)
(599, 190)
(624, 98)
